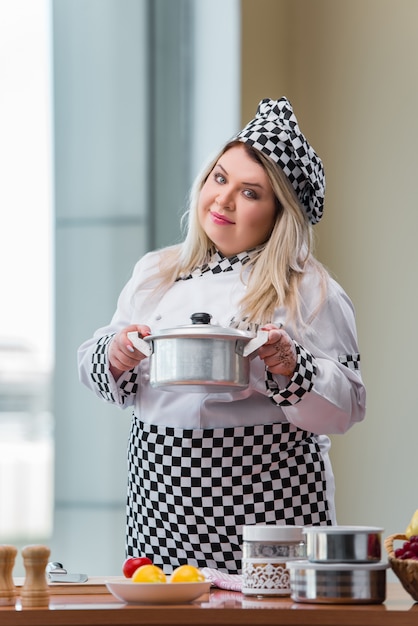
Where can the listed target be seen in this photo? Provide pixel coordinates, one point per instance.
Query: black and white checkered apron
(191, 491)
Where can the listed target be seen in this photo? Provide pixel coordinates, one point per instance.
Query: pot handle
(258, 341)
(139, 343)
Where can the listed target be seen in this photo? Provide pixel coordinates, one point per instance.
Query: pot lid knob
(201, 318)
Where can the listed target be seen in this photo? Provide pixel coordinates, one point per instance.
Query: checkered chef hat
(275, 131)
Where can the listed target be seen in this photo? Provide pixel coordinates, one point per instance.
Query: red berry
(408, 555)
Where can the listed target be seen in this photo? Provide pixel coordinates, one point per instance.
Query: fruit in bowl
(143, 570)
(149, 574)
(404, 559)
(187, 574)
(412, 529)
(150, 585)
(132, 563)
(409, 549)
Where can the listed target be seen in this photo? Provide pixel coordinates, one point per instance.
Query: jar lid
(272, 532)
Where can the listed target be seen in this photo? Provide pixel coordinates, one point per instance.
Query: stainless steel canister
(343, 544)
(338, 583)
(266, 549)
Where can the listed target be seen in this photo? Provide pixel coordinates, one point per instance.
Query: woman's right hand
(122, 354)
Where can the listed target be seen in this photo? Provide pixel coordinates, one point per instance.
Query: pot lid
(201, 328)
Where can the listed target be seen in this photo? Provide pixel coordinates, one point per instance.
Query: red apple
(131, 565)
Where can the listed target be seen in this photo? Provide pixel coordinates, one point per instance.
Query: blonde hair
(275, 269)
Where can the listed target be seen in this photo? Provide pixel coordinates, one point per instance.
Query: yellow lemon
(149, 574)
(187, 574)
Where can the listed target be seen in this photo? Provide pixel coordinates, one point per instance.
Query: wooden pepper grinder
(35, 590)
(8, 591)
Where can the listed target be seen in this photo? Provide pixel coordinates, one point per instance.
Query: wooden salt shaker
(8, 591)
(35, 590)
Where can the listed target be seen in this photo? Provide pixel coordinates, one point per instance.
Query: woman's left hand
(279, 352)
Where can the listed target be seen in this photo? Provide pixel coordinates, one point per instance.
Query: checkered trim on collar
(300, 383)
(352, 361)
(219, 263)
(244, 324)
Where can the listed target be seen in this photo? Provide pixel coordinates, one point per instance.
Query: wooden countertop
(223, 608)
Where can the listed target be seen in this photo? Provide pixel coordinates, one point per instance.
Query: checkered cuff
(100, 374)
(299, 384)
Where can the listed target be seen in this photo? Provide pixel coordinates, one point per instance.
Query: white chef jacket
(335, 402)
(331, 403)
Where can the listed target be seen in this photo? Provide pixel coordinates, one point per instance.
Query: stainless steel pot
(201, 356)
(343, 544)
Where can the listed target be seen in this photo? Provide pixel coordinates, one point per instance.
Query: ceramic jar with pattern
(265, 550)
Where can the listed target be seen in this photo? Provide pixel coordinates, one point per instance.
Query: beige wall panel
(264, 44)
(350, 69)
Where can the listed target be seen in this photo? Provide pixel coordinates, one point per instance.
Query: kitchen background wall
(135, 116)
(144, 90)
(349, 69)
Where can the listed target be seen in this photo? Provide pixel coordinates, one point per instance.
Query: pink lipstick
(217, 218)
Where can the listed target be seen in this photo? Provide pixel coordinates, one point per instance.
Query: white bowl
(157, 593)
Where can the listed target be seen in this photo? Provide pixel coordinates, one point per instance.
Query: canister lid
(336, 567)
(272, 532)
(341, 530)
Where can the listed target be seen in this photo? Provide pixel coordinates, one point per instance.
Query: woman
(203, 465)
